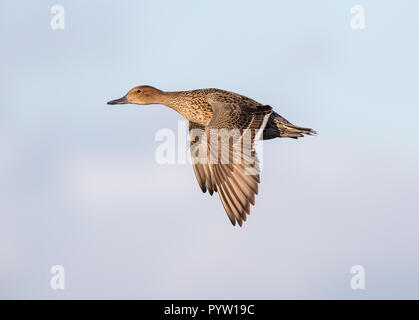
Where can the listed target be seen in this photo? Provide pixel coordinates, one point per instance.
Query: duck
(223, 162)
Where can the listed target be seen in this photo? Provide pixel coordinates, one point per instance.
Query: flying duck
(234, 174)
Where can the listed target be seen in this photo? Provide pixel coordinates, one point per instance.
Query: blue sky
(80, 186)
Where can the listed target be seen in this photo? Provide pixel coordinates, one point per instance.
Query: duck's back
(194, 104)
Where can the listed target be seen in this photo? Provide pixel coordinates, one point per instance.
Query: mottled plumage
(224, 126)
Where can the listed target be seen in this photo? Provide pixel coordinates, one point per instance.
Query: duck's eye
(138, 91)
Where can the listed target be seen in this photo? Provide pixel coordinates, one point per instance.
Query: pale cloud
(97, 182)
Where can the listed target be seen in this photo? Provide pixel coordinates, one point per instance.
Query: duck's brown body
(209, 109)
(193, 105)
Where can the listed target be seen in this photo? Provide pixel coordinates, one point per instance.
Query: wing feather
(235, 182)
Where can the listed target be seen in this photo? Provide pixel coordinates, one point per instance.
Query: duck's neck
(187, 105)
(170, 99)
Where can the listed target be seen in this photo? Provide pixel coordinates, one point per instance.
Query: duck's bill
(122, 100)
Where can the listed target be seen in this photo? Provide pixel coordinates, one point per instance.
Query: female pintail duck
(213, 109)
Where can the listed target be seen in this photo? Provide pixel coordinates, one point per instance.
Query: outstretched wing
(200, 165)
(228, 144)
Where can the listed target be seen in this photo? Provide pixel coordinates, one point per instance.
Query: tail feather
(279, 127)
(291, 131)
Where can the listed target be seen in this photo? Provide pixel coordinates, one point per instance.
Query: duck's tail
(279, 127)
(289, 130)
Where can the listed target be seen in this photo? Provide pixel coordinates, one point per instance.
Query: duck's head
(140, 95)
